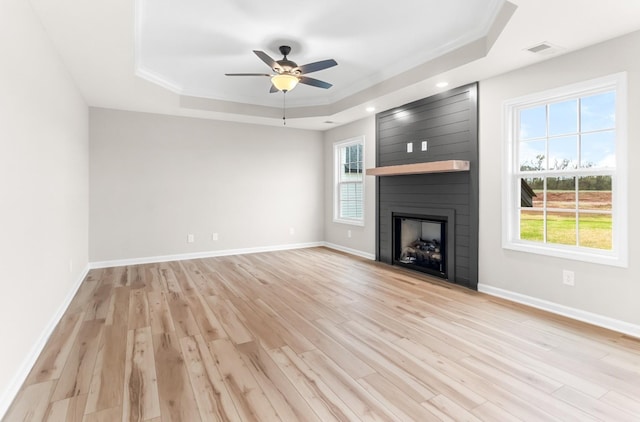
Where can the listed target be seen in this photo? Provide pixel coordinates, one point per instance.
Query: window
(349, 181)
(565, 190)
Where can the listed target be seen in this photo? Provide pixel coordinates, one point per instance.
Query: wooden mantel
(447, 166)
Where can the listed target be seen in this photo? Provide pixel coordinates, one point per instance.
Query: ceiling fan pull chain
(284, 108)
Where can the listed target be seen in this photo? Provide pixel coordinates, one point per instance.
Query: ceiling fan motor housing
(286, 65)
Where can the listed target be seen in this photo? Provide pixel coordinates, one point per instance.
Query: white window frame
(618, 255)
(337, 147)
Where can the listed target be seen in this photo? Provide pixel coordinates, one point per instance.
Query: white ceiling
(188, 46)
(170, 57)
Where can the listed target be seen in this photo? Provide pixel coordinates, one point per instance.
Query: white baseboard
(350, 251)
(198, 255)
(573, 313)
(10, 393)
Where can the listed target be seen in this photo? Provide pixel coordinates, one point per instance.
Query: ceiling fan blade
(273, 89)
(247, 74)
(316, 66)
(314, 82)
(267, 59)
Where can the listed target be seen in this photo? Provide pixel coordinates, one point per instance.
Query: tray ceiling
(188, 46)
(170, 57)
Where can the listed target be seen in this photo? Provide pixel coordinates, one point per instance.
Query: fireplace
(420, 243)
(429, 184)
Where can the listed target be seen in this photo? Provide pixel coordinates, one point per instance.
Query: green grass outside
(595, 229)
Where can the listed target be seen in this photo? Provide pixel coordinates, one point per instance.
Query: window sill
(559, 251)
(359, 223)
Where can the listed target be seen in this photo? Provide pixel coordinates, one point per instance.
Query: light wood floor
(317, 335)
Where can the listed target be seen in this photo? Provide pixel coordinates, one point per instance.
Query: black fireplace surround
(448, 122)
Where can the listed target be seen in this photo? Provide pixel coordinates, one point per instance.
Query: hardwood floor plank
(449, 408)
(623, 402)
(365, 406)
(107, 415)
(140, 400)
(106, 390)
(518, 398)
(211, 394)
(595, 407)
(51, 362)
(496, 359)
(159, 313)
(509, 335)
(385, 362)
(226, 315)
(83, 295)
(138, 309)
(383, 324)
(488, 411)
(182, 316)
(318, 335)
(152, 278)
(429, 375)
(402, 406)
(209, 325)
(291, 337)
(32, 403)
(67, 410)
(250, 400)
(283, 396)
(333, 349)
(118, 313)
(57, 411)
(75, 378)
(202, 278)
(168, 279)
(176, 397)
(230, 273)
(538, 363)
(324, 402)
(266, 332)
(98, 308)
(229, 285)
(322, 309)
(187, 287)
(623, 360)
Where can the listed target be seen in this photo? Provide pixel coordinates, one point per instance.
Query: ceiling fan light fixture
(284, 82)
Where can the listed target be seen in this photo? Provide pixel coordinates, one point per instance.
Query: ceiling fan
(287, 73)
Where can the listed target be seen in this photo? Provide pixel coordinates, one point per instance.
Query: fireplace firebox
(419, 243)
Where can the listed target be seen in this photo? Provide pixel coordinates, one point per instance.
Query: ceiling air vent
(544, 48)
(538, 48)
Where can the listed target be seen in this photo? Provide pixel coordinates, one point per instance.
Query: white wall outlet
(568, 278)
(190, 238)
(214, 236)
(424, 146)
(409, 146)
(349, 233)
(292, 231)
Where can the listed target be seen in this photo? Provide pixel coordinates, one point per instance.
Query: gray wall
(448, 121)
(607, 291)
(44, 193)
(362, 240)
(155, 179)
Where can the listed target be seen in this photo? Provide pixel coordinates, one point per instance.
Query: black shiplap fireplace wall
(449, 123)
